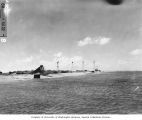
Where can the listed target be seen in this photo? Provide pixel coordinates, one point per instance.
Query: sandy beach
(105, 93)
(24, 77)
(67, 74)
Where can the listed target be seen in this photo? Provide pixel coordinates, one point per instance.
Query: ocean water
(105, 93)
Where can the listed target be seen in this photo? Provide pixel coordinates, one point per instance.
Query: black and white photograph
(71, 57)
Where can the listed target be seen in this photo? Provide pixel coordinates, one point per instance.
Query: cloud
(103, 41)
(97, 41)
(77, 58)
(25, 60)
(136, 52)
(84, 42)
(65, 62)
(20, 64)
(59, 54)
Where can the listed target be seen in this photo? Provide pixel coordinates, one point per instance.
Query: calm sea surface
(105, 93)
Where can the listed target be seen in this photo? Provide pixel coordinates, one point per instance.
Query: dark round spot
(114, 2)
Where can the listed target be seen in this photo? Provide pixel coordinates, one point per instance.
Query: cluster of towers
(72, 65)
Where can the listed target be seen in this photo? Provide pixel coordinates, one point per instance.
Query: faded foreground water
(105, 93)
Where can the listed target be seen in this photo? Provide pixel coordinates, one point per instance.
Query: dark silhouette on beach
(40, 69)
(114, 2)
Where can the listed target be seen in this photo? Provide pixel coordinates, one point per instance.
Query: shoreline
(59, 75)
(26, 77)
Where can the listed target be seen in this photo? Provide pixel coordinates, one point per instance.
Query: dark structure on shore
(38, 71)
(114, 2)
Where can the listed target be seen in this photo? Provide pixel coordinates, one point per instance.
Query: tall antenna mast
(83, 65)
(94, 66)
(57, 65)
(72, 66)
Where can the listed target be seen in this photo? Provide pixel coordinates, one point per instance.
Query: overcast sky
(44, 31)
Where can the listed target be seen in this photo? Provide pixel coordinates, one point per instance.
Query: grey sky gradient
(42, 31)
